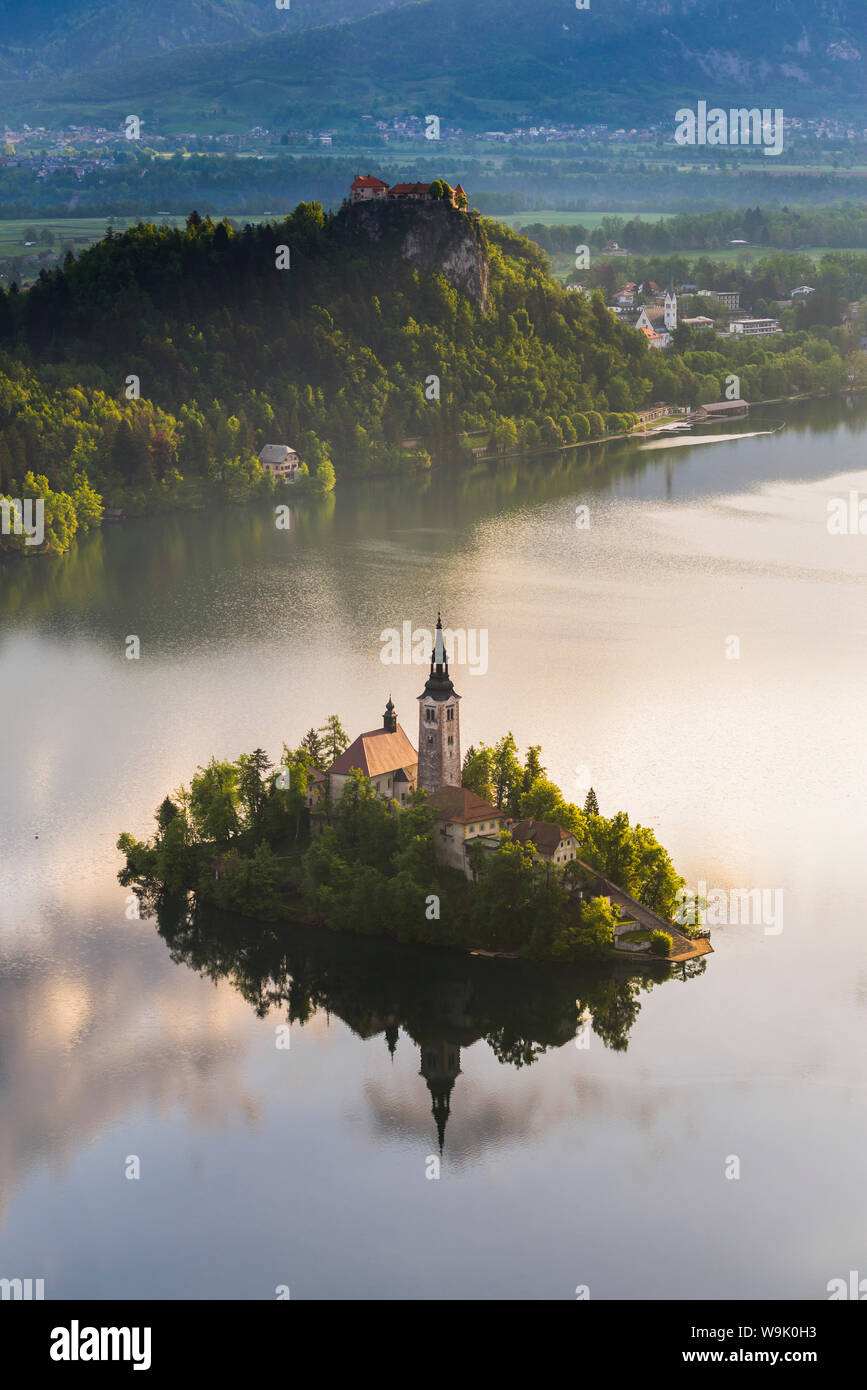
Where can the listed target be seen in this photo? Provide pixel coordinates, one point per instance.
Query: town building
(280, 461)
(803, 292)
(755, 328)
(731, 299)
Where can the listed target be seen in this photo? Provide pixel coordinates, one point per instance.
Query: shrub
(660, 943)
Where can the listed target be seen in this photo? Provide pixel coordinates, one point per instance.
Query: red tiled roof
(368, 181)
(409, 188)
(376, 753)
(459, 804)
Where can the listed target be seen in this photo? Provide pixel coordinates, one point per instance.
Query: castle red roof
(368, 181)
(410, 187)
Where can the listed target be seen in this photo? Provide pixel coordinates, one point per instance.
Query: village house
(280, 461)
(462, 818)
(624, 299)
(552, 843)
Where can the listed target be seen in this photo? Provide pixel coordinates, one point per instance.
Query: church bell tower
(439, 728)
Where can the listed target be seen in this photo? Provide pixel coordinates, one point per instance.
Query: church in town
(395, 770)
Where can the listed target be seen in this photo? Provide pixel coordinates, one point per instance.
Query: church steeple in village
(389, 719)
(439, 737)
(670, 306)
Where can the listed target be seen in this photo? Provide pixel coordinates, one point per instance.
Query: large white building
(755, 328)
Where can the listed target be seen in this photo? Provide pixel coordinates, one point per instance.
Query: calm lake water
(611, 646)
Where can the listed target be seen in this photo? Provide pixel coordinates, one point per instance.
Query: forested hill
(334, 352)
(160, 362)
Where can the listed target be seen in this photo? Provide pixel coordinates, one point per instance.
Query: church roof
(460, 804)
(376, 753)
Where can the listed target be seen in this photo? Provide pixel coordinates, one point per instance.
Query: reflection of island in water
(443, 1000)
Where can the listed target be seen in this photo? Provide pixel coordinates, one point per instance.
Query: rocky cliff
(428, 235)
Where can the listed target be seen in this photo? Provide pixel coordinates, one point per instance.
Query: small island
(375, 837)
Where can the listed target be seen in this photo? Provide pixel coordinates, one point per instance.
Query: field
(80, 232)
(590, 220)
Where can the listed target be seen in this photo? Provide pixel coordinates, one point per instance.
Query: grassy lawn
(639, 935)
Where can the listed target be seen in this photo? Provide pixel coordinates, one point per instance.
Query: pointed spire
(439, 656)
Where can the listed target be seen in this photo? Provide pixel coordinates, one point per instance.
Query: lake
(697, 653)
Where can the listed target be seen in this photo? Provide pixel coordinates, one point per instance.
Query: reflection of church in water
(440, 1067)
(439, 1051)
(456, 1026)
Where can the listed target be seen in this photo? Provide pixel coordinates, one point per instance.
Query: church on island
(395, 770)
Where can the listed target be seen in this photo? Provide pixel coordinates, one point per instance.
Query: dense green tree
(335, 738)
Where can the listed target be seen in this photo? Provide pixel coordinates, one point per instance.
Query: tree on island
(506, 773)
(252, 768)
(311, 749)
(476, 773)
(336, 739)
(591, 805)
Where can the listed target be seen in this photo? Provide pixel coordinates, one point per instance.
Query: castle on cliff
(366, 189)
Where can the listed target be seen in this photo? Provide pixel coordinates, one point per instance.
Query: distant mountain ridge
(476, 63)
(69, 36)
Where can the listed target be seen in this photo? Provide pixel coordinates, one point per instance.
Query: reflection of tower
(392, 1033)
(440, 1065)
(439, 730)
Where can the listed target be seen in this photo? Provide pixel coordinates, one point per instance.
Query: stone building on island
(395, 770)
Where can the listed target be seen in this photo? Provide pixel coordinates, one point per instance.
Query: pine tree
(591, 805)
(336, 737)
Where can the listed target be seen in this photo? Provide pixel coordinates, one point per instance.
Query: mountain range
(478, 64)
